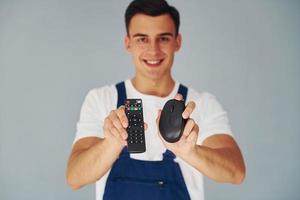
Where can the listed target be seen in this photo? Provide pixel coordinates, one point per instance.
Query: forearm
(91, 164)
(221, 165)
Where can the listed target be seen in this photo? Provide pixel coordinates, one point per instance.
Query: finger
(117, 124)
(121, 121)
(105, 126)
(193, 136)
(117, 134)
(120, 112)
(123, 133)
(111, 125)
(188, 127)
(122, 116)
(145, 126)
(158, 116)
(115, 120)
(178, 97)
(188, 109)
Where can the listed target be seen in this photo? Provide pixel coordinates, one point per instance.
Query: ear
(127, 42)
(178, 42)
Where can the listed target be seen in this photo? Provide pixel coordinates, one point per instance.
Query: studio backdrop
(52, 53)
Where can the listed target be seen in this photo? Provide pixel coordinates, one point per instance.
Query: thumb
(178, 97)
(158, 116)
(145, 126)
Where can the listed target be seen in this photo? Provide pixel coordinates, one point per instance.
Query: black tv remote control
(135, 129)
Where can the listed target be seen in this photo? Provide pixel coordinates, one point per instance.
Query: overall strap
(169, 155)
(183, 91)
(121, 93)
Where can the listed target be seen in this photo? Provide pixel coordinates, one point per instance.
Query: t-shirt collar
(138, 94)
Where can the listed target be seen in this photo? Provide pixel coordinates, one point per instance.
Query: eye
(164, 39)
(142, 40)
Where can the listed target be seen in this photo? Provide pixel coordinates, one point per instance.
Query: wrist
(113, 145)
(188, 155)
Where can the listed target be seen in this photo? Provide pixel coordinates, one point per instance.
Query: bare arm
(219, 158)
(90, 159)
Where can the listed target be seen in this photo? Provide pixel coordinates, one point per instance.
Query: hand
(187, 143)
(115, 125)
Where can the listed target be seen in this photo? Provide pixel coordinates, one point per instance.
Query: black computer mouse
(171, 123)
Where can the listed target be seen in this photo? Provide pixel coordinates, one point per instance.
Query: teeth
(153, 62)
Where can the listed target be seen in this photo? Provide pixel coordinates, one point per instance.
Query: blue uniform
(132, 179)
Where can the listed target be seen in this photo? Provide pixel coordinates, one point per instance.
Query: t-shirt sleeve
(212, 117)
(92, 115)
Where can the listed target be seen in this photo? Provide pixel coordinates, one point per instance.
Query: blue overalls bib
(132, 179)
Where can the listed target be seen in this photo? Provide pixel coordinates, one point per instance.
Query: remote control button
(135, 129)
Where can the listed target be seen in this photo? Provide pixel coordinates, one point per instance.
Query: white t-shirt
(208, 114)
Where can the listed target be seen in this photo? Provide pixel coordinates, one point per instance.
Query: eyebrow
(139, 35)
(167, 34)
(145, 35)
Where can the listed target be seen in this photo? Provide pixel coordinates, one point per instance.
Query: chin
(156, 74)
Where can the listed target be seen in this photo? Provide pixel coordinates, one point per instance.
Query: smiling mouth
(153, 63)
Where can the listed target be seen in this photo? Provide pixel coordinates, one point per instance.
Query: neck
(159, 87)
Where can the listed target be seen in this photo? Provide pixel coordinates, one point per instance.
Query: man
(206, 147)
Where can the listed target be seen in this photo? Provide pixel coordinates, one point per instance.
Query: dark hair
(152, 8)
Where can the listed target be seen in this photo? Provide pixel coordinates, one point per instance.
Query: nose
(153, 47)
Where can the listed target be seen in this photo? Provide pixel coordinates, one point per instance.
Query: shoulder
(103, 90)
(199, 96)
(207, 103)
(103, 93)
(104, 96)
(209, 114)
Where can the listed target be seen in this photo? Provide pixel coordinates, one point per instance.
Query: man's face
(152, 43)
